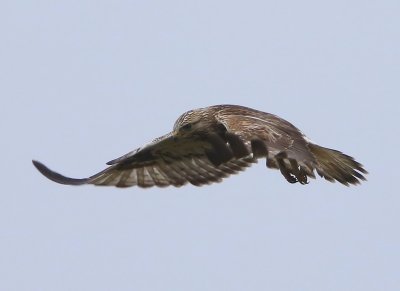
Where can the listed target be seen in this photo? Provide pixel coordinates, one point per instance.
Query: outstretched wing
(167, 161)
(288, 149)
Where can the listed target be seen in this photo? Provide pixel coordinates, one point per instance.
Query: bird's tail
(334, 165)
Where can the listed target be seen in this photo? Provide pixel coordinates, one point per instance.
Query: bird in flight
(212, 143)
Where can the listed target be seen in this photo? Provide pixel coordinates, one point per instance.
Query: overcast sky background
(83, 82)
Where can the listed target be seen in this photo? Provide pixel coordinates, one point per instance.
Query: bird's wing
(166, 161)
(289, 150)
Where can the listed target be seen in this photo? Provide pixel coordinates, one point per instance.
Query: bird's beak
(178, 135)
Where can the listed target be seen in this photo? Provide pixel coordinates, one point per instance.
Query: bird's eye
(186, 127)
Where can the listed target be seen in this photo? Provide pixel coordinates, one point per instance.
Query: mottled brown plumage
(209, 144)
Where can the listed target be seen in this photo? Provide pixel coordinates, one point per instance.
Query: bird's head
(193, 121)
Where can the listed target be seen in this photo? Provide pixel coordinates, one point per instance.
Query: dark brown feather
(238, 147)
(220, 152)
(259, 148)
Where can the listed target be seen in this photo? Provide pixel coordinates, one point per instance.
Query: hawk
(212, 143)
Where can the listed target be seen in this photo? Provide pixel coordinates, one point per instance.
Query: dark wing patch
(237, 145)
(259, 148)
(219, 152)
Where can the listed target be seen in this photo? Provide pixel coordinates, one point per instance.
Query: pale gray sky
(83, 82)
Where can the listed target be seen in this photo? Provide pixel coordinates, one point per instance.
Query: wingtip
(56, 177)
(39, 166)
